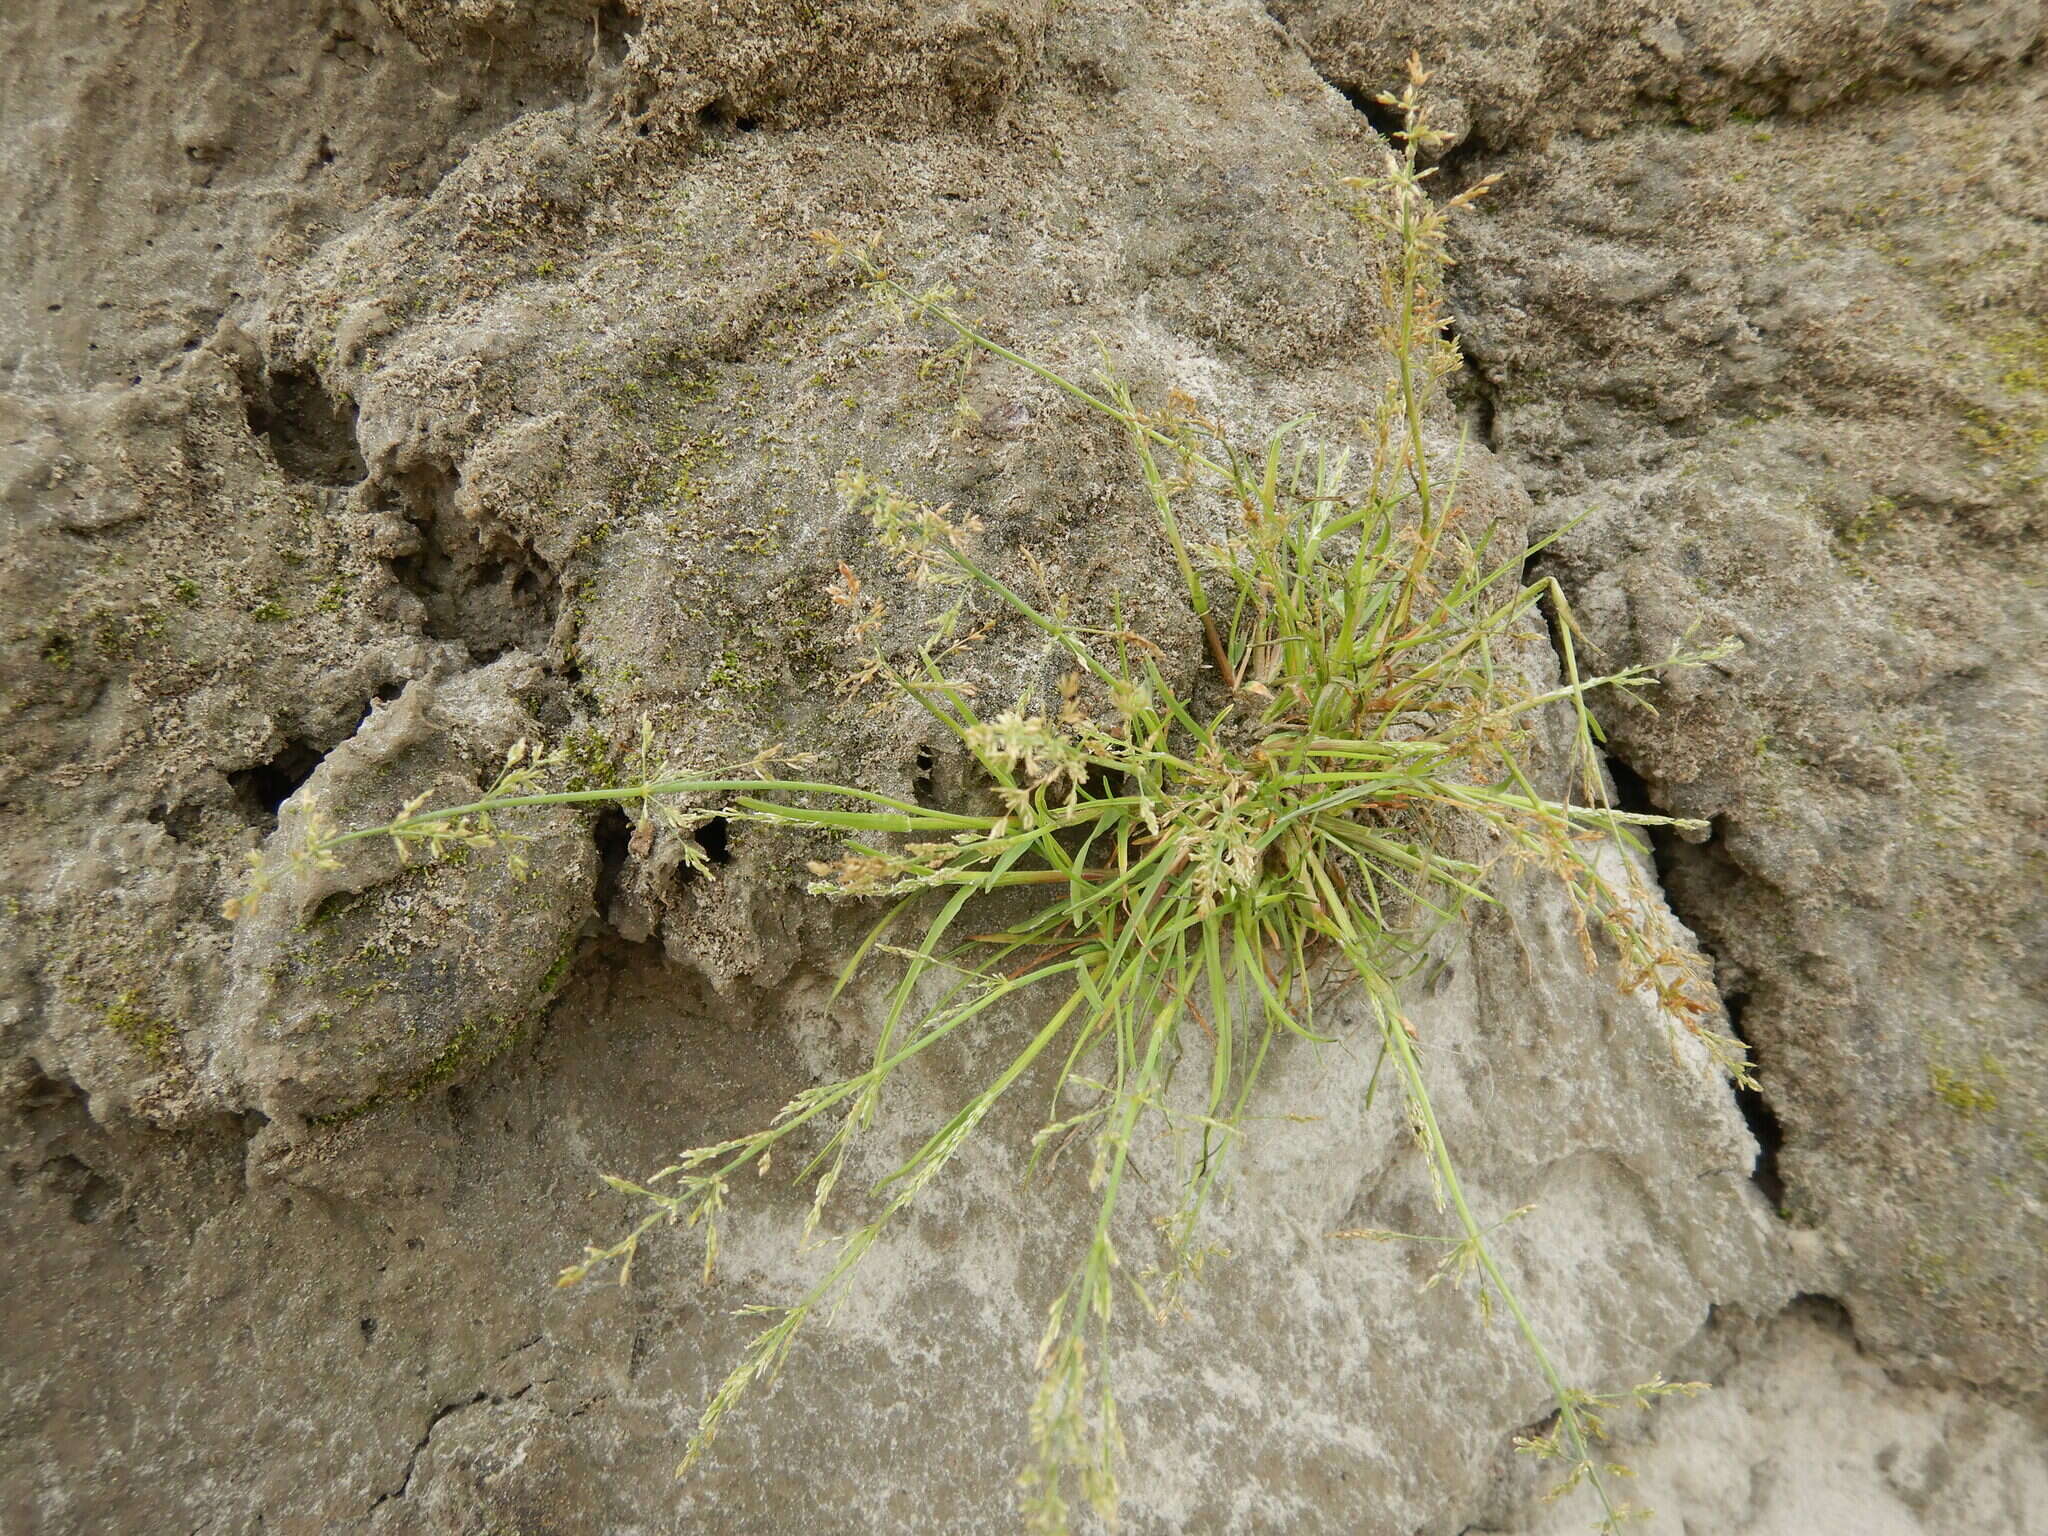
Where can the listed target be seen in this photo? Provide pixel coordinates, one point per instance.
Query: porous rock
(1788, 378)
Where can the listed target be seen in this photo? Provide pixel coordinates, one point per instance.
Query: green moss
(2025, 355)
(741, 674)
(1944, 803)
(1966, 1096)
(478, 1040)
(1876, 518)
(1930, 1273)
(2015, 433)
(764, 539)
(110, 636)
(270, 611)
(153, 1037)
(343, 1116)
(591, 762)
(363, 992)
(2006, 435)
(551, 978)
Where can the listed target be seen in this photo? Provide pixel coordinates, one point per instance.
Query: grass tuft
(1179, 879)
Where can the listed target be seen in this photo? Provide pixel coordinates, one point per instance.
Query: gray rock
(1827, 439)
(1805, 1432)
(1508, 72)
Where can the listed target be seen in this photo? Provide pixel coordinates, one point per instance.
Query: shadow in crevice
(262, 788)
(1453, 166)
(1669, 853)
(91, 1194)
(715, 838)
(311, 434)
(1454, 170)
(613, 833)
(477, 582)
(1757, 1113)
(613, 29)
(924, 789)
(1829, 1312)
(721, 119)
(1386, 121)
(1632, 794)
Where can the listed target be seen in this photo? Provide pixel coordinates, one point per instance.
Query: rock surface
(1792, 376)
(1805, 1432)
(403, 380)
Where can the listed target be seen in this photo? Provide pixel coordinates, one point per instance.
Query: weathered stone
(1510, 71)
(381, 384)
(1805, 1432)
(1827, 434)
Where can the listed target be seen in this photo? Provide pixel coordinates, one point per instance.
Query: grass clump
(1179, 879)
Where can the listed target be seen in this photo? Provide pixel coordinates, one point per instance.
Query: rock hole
(181, 821)
(369, 1328)
(1828, 1311)
(715, 838)
(722, 118)
(339, 904)
(44, 1092)
(1104, 783)
(262, 789)
(40, 1091)
(311, 434)
(477, 584)
(922, 788)
(614, 835)
(90, 1193)
(326, 150)
(1472, 391)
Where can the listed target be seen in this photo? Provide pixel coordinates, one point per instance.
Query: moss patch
(148, 1034)
(478, 1040)
(1966, 1095)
